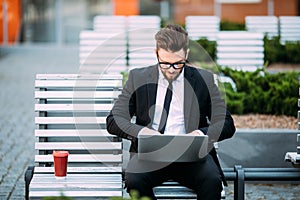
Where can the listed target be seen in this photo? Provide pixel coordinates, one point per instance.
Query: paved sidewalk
(18, 66)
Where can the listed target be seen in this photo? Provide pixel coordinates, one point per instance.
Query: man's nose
(171, 69)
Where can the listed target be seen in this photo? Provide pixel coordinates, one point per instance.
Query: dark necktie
(165, 112)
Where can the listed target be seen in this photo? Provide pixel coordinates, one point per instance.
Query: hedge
(259, 92)
(274, 51)
(262, 92)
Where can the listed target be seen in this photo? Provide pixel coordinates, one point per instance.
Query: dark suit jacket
(204, 109)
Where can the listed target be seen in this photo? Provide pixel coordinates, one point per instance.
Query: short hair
(172, 38)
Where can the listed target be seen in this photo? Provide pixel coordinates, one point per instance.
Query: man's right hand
(148, 131)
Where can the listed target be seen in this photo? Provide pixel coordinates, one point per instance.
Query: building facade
(60, 21)
(234, 10)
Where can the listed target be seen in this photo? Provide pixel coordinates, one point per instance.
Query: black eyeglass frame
(169, 65)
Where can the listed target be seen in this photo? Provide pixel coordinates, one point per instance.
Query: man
(195, 108)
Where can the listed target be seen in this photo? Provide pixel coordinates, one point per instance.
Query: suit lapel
(152, 81)
(189, 85)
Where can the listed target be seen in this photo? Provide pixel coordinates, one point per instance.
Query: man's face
(165, 56)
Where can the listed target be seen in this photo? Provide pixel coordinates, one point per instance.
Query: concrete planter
(258, 148)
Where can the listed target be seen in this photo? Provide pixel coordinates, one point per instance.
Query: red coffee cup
(60, 163)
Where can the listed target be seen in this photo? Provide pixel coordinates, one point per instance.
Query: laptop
(172, 148)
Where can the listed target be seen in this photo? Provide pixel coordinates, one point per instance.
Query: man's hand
(196, 132)
(148, 131)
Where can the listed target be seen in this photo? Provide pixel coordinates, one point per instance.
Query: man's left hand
(196, 132)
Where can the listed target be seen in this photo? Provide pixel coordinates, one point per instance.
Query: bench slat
(77, 194)
(235, 62)
(70, 120)
(73, 107)
(100, 186)
(75, 178)
(77, 94)
(82, 158)
(78, 145)
(241, 55)
(82, 170)
(240, 49)
(73, 133)
(78, 83)
(79, 76)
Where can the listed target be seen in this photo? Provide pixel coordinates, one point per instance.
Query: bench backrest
(102, 52)
(202, 26)
(71, 115)
(289, 28)
(109, 23)
(240, 50)
(141, 41)
(262, 24)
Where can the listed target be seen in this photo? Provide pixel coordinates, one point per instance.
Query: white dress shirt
(175, 121)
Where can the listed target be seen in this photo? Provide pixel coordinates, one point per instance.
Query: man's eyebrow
(173, 62)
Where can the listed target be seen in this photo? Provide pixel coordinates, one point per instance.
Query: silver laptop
(172, 148)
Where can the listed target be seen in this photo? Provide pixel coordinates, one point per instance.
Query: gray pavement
(18, 66)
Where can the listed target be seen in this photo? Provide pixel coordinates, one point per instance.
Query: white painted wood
(79, 177)
(202, 26)
(101, 52)
(268, 25)
(77, 194)
(73, 107)
(81, 170)
(240, 50)
(109, 23)
(76, 94)
(145, 21)
(289, 28)
(72, 133)
(141, 40)
(79, 76)
(79, 83)
(94, 162)
(78, 145)
(70, 120)
(83, 158)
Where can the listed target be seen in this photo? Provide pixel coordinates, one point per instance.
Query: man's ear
(187, 53)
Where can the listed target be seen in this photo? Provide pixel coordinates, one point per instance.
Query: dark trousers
(202, 176)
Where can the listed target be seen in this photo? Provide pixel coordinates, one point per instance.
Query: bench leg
(239, 183)
(27, 178)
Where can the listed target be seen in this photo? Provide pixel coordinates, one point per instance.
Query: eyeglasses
(167, 65)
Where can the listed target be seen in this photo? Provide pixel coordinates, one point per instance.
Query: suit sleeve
(118, 122)
(221, 123)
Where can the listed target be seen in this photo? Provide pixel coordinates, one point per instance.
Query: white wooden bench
(289, 28)
(102, 52)
(141, 41)
(267, 25)
(110, 24)
(71, 115)
(202, 26)
(240, 50)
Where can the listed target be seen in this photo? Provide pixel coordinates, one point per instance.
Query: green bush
(202, 50)
(231, 26)
(262, 92)
(275, 52)
(292, 52)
